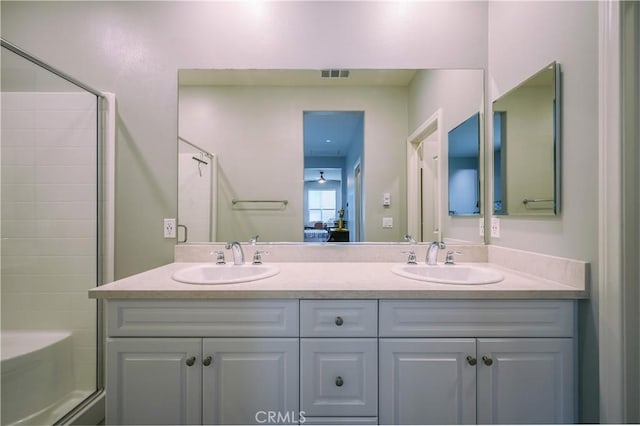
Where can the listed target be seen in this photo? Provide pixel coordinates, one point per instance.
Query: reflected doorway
(424, 193)
(333, 174)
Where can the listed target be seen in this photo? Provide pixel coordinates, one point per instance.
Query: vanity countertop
(329, 280)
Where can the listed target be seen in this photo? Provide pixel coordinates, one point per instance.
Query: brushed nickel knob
(207, 361)
(339, 321)
(191, 361)
(339, 381)
(487, 361)
(471, 360)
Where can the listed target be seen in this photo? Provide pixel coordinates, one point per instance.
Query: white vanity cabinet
(156, 376)
(486, 362)
(339, 361)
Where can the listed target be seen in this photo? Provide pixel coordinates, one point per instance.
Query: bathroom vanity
(342, 343)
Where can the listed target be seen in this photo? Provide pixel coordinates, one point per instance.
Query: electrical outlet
(495, 227)
(481, 226)
(387, 222)
(169, 228)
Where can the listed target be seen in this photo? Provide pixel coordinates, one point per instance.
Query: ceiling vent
(334, 73)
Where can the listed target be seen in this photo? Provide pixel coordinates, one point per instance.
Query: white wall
(518, 48)
(523, 38)
(48, 230)
(134, 49)
(256, 133)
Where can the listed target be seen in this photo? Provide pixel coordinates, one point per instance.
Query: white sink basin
(449, 274)
(207, 273)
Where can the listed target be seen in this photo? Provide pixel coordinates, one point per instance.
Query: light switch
(386, 199)
(387, 222)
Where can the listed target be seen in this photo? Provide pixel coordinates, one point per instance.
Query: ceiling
(330, 133)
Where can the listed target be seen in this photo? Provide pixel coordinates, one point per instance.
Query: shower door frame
(102, 196)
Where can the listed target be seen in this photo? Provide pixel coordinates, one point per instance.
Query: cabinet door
(427, 381)
(250, 381)
(525, 381)
(339, 377)
(153, 381)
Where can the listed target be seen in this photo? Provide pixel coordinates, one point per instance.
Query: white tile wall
(48, 230)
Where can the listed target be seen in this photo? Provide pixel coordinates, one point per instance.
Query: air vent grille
(334, 73)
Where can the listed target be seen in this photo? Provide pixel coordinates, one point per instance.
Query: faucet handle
(410, 239)
(411, 258)
(253, 240)
(257, 257)
(219, 257)
(449, 260)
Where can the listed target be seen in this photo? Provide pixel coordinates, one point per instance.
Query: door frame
(428, 131)
(358, 196)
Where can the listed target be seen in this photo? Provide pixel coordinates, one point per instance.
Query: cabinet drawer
(476, 318)
(203, 318)
(338, 318)
(339, 377)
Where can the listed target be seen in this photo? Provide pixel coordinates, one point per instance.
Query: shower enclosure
(52, 193)
(197, 193)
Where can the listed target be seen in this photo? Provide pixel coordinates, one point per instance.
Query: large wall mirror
(526, 143)
(318, 155)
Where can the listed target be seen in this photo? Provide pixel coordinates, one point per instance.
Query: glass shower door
(50, 242)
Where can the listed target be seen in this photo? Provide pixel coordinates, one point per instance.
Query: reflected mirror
(464, 168)
(253, 148)
(526, 143)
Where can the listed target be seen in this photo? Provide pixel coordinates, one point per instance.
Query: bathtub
(37, 377)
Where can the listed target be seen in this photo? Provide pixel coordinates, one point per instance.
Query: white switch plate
(386, 199)
(169, 228)
(387, 222)
(495, 227)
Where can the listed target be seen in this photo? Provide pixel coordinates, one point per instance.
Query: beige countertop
(329, 280)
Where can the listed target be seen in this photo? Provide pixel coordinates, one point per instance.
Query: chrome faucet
(409, 238)
(238, 254)
(411, 258)
(432, 252)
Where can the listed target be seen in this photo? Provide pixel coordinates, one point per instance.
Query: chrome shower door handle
(186, 231)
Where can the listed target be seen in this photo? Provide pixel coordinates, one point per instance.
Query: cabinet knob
(207, 361)
(471, 360)
(191, 361)
(487, 360)
(339, 381)
(339, 321)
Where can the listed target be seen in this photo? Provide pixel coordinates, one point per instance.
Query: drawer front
(338, 318)
(203, 318)
(477, 318)
(339, 377)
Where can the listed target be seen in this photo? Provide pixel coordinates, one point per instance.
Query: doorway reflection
(333, 158)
